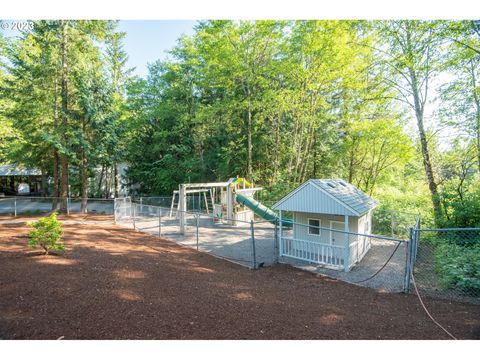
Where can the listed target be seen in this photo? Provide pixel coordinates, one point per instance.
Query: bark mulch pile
(114, 283)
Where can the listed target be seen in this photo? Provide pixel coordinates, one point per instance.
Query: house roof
(328, 196)
(17, 170)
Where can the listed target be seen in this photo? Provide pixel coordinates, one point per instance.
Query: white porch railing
(312, 251)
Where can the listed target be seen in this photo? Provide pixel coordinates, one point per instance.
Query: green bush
(464, 211)
(46, 233)
(459, 267)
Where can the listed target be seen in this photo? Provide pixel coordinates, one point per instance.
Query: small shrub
(46, 233)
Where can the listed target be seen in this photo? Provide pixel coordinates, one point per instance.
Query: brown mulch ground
(115, 283)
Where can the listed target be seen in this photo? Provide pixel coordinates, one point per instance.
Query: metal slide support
(173, 203)
(182, 198)
(252, 234)
(230, 196)
(206, 202)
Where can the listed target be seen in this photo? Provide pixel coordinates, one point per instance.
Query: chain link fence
(447, 263)
(23, 205)
(375, 261)
(392, 223)
(444, 262)
(248, 243)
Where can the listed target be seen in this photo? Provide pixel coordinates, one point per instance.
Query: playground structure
(222, 200)
(229, 202)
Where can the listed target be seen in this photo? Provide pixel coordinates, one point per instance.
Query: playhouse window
(313, 227)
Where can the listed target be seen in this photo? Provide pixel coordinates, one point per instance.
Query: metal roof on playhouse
(327, 196)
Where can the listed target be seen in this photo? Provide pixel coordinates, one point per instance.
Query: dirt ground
(115, 283)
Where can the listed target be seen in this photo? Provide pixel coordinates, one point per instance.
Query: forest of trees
(391, 106)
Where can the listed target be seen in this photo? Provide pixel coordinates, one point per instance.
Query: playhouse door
(337, 238)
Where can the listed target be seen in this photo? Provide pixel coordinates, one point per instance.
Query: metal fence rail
(16, 205)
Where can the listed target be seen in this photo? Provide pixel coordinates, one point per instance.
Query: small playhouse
(331, 223)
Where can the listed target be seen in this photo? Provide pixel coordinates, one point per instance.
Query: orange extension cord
(430, 316)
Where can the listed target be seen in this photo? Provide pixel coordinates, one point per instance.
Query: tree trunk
(99, 189)
(83, 173)
(63, 156)
(432, 185)
(106, 193)
(56, 180)
(115, 172)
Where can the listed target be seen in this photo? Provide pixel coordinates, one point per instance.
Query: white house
(331, 218)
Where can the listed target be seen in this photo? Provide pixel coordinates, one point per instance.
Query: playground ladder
(175, 204)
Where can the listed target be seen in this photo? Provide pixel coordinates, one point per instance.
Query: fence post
(159, 222)
(68, 207)
(346, 236)
(280, 238)
(408, 263)
(197, 219)
(275, 241)
(252, 234)
(415, 248)
(115, 210)
(141, 204)
(133, 204)
(15, 207)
